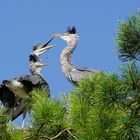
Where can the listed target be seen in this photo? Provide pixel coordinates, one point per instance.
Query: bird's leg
(30, 122)
(24, 116)
(22, 126)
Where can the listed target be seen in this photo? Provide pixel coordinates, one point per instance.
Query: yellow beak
(57, 35)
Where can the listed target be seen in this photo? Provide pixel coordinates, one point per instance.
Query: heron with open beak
(35, 63)
(15, 92)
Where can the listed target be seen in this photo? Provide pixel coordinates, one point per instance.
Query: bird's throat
(66, 58)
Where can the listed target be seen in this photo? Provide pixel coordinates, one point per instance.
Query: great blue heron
(72, 73)
(14, 92)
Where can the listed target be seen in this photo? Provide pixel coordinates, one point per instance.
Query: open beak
(47, 43)
(57, 35)
(40, 65)
(43, 48)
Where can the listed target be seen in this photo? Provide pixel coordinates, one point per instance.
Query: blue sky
(25, 23)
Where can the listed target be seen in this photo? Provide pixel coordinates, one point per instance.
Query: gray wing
(19, 109)
(8, 99)
(85, 69)
(78, 73)
(34, 80)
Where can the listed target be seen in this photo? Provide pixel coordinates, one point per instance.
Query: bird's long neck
(65, 57)
(34, 70)
(33, 65)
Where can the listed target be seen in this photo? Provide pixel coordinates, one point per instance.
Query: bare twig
(59, 134)
(68, 130)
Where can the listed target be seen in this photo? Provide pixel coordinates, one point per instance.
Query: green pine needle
(128, 38)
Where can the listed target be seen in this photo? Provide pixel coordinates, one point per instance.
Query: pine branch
(128, 38)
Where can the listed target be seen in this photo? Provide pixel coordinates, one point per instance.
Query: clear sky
(25, 23)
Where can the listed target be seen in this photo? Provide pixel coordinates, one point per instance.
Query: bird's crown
(71, 30)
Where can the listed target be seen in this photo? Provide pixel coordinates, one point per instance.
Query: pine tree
(105, 106)
(128, 38)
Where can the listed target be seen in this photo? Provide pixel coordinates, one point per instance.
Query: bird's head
(41, 48)
(69, 35)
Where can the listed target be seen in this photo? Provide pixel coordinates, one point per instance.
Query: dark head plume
(71, 30)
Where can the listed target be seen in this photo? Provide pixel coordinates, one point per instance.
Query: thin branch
(71, 134)
(59, 134)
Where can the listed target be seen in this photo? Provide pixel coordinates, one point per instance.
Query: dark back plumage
(7, 97)
(33, 81)
(29, 83)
